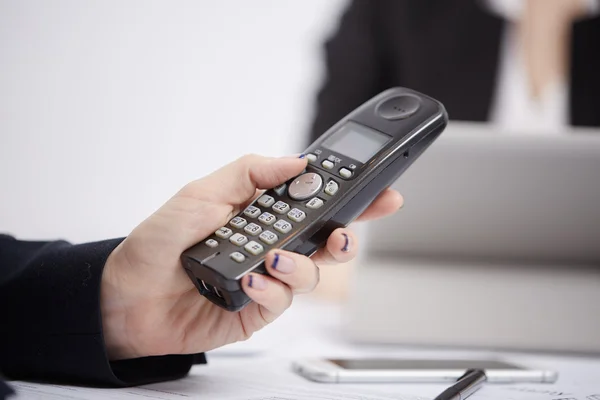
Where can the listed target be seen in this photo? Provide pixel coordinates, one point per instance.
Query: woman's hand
(150, 306)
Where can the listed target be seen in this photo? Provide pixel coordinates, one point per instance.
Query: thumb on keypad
(206, 204)
(236, 182)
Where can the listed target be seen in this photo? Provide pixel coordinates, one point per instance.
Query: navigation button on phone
(305, 186)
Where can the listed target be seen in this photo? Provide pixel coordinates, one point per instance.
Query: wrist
(114, 312)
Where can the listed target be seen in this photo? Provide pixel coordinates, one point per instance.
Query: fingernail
(283, 264)
(302, 155)
(346, 247)
(257, 281)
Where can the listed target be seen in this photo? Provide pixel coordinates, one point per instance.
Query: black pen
(466, 385)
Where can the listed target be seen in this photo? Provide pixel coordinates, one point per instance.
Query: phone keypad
(281, 207)
(270, 219)
(252, 229)
(267, 218)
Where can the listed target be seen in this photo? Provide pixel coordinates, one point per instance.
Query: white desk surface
(260, 369)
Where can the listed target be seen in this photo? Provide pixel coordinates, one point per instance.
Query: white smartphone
(415, 371)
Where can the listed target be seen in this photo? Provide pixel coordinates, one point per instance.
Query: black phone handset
(348, 166)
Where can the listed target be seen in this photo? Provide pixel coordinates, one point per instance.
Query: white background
(108, 107)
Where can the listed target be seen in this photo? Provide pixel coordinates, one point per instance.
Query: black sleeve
(50, 320)
(355, 66)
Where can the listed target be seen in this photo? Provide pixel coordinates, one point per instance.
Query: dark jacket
(50, 321)
(448, 49)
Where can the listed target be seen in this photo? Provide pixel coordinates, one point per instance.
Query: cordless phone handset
(348, 166)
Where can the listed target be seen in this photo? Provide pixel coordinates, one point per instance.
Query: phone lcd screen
(356, 141)
(391, 364)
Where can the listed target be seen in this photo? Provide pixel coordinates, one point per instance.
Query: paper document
(234, 380)
(539, 392)
(268, 379)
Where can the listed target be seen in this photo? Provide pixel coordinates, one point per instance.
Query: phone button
(223, 232)
(268, 237)
(267, 218)
(238, 239)
(254, 248)
(314, 203)
(282, 226)
(281, 207)
(280, 190)
(331, 188)
(345, 173)
(327, 164)
(311, 157)
(237, 256)
(266, 200)
(296, 215)
(252, 229)
(252, 211)
(238, 222)
(305, 186)
(211, 243)
(398, 107)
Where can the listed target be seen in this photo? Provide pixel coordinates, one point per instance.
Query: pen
(466, 385)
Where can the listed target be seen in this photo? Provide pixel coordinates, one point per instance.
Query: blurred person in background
(526, 65)
(530, 66)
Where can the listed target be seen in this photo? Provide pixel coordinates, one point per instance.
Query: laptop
(497, 246)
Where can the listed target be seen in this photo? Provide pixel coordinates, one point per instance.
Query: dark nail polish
(275, 261)
(302, 155)
(250, 280)
(345, 249)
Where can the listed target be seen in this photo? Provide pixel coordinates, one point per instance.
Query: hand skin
(149, 305)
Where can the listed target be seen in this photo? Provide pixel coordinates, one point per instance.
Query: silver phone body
(326, 371)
